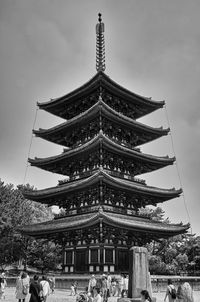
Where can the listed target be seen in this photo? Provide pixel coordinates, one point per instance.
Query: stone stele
(139, 277)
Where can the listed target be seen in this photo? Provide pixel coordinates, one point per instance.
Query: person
(97, 296)
(35, 290)
(3, 276)
(126, 285)
(83, 296)
(170, 292)
(121, 286)
(22, 287)
(75, 287)
(145, 297)
(2, 287)
(92, 284)
(45, 288)
(27, 277)
(184, 292)
(52, 283)
(104, 287)
(73, 293)
(109, 285)
(114, 286)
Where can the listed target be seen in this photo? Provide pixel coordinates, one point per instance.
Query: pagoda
(101, 195)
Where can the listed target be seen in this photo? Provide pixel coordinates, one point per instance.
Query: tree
(182, 260)
(170, 256)
(156, 265)
(17, 211)
(44, 255)
(156, 214)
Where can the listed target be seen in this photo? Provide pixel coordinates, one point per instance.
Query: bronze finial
(99, 17)
(100, 45)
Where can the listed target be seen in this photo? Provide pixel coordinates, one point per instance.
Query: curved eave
(110, 145)
(144, 224)
(108, 112)
(83, 221)
(139, 188)
(82, 90)
(70, 124)
(100, 79)
(117, 183)
(129, 95)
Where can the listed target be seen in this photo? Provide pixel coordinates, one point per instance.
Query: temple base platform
(133, 299)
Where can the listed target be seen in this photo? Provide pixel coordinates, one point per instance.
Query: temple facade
(102, 194)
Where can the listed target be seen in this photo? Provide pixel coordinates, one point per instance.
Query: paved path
(64, 296)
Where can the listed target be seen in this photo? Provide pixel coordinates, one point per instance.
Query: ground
(64, 296)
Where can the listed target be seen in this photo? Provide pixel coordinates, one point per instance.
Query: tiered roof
(61, 163)
(54, 193)
(59, 133)
(101, 133)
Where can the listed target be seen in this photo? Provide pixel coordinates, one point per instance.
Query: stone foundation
(133, 299)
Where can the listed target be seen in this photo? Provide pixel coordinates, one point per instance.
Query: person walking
(76, 287)
(22, 287)
(170, 292)
(45, 288)
(35, 290)
(92, 284)
(73, 293)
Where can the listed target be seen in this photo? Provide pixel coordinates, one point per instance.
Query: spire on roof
(100, 46)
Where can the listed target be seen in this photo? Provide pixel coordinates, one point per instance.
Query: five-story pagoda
(101, 195)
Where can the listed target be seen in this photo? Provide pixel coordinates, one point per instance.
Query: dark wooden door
(81, 260)
(123, 260)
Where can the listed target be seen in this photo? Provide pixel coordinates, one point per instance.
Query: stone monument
(139, 277)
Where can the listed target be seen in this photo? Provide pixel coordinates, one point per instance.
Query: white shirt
(97, 298)
(126, 283)
(45, 288)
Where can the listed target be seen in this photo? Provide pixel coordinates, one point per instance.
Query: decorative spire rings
(100, 46)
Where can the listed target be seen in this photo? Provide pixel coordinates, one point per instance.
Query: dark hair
(145, 293)
(44, 277)
(97, 289)
(36, 277)
(24, 275)
(169, 281)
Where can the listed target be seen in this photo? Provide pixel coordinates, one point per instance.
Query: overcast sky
(47, 49)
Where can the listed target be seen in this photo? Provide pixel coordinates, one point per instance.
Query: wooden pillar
(63, 254)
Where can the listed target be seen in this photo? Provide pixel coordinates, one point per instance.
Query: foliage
(16, 211)
(44, 255)
(156, 265)
(182, 260)
(173, 256)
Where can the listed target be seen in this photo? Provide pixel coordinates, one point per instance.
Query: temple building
(102, 194)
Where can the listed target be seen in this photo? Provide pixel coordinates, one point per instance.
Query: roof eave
(44, 194)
